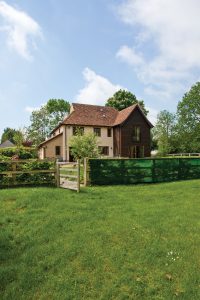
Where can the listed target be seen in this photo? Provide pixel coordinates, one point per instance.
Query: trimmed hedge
(129, 171)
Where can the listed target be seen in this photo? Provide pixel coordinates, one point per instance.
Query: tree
(123, 99)
(8, 134)
(18, 138)
(164, 132)
(84, 145)
(188, 114)
(57, 109)
(44, 120)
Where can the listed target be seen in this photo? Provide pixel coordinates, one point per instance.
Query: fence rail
(184, 154)
(27, 172)
(129, 171)
(68, 175)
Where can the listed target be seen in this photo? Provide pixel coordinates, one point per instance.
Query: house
(123, 133)
(7, 144)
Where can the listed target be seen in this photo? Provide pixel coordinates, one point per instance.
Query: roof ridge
(94, 105)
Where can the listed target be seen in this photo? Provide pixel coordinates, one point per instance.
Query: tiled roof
(94, 115)
(123, 114)
(7, 144)
(49, 139)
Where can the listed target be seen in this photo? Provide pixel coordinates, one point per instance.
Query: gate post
(86, 172)
(78, 175)
(57, 174)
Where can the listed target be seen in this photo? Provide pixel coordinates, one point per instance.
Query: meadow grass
(121, 242)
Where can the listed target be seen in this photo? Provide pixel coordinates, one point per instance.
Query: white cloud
(30, 109)
(97, 88)
(172, 31)
(152, 115)
(130, 55)
(21, 29)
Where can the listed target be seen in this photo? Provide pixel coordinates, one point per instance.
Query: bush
(26, 178)
(22, 152)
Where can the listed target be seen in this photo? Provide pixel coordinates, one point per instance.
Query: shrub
(26, 177)
(22, 152)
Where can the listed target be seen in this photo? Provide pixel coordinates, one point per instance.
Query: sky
(84, 51)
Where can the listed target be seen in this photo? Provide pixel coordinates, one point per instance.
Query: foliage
(164, 132)
(18, 138)
(27, 178)
(123, 99)
(119, 242)
(129, 171)
(27, 143)
(84, 145)
(188, 112)
(45, 119)
(22, 152)
(57, 109)
(8, 134)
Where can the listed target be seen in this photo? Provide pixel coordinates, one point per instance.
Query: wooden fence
(68, 175)
(40, 172)
(27, 172)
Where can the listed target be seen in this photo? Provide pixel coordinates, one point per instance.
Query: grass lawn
(122, 242)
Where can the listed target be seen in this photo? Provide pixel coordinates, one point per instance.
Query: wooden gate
(68, 175)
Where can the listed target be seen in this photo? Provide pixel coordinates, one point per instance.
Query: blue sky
(84, 51)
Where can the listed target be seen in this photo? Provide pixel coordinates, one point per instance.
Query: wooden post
(86, 172)
(14, 168)
(57, 174)
(78, 175)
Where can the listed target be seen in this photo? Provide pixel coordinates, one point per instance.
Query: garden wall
(129, 171)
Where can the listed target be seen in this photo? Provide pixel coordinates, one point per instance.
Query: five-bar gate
(68, 175)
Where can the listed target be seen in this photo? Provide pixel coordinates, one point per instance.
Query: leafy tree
(8, 134)
(123, 99)
(84, 145)
(44, 120)
(39, 129)
(18, 138)
(164, 132)
(57, 109)
(188, 113)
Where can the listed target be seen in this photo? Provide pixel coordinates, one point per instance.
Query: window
(78, 130)
(109, 132)
(57, 150)
(136, 133)
(97, 131)
(104, 150)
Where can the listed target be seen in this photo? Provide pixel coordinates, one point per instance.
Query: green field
(122, 242)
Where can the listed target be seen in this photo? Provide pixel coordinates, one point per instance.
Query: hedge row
(9, 180)
(129, 171)
(22, 152)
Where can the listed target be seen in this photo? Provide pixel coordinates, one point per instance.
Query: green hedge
(129, 171)
(22, 152)
(25, 178)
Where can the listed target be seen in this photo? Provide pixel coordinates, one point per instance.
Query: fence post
(153, 170)
(57, 174)
(14, 168)
(86, 172)
(78, 175)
